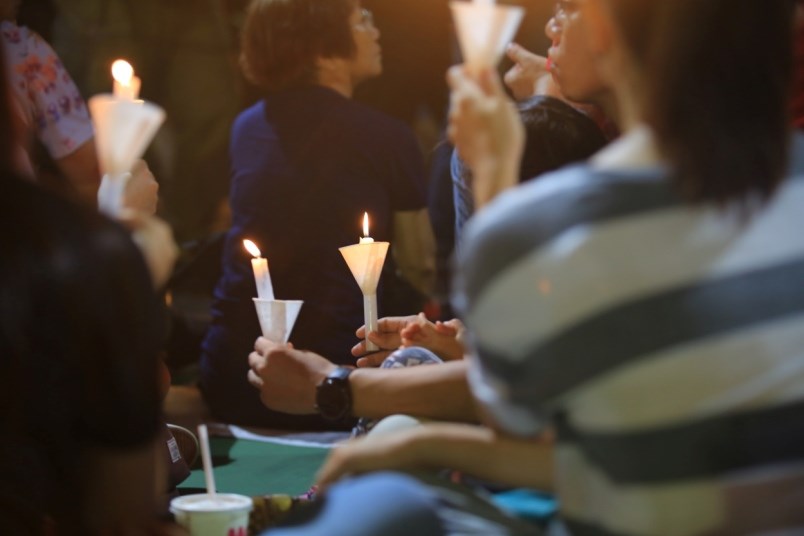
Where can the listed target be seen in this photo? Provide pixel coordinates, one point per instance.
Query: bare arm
(82, 170)
(436, 392)
(487, 132)
(287, 380)
(474, 450)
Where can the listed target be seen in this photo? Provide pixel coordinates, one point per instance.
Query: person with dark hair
(665, 343)
(556, 135)
(307, 162)
(647, 305)
(79, 339)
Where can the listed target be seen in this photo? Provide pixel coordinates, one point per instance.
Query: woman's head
(285, 42)
(712, 79)
(572, 64)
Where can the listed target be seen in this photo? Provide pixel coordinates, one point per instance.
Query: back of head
(716, 77)
(282, 39)
(556, 134)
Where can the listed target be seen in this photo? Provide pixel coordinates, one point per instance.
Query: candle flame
(252, 248)
(123, 72)
(365, 224)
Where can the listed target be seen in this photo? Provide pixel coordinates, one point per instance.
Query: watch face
(333, 397)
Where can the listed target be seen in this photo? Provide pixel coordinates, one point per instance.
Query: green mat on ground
(257, 468)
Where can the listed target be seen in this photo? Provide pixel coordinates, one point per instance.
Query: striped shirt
(664, 343)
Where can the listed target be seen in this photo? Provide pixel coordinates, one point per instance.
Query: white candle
(366, 239)
(484, 2)
(126, 85)
(262, 276)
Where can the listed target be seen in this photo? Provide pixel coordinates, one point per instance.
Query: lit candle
(366, 239)
(365, 260)
(265, 290)
(126, 85)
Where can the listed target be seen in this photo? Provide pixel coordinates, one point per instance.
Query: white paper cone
(484, 30)
(123, 130)
(110, 193)
(277, 318)
(365, 261)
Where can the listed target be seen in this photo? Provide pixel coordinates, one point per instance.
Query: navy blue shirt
(306, 164)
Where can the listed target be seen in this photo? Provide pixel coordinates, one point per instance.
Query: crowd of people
(627, 283)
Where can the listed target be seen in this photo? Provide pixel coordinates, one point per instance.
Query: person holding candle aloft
(54, 111)
(307, 163)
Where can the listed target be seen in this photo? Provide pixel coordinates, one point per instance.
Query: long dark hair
(718, 76)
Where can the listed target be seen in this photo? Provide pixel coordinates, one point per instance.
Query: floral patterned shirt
(52, 105)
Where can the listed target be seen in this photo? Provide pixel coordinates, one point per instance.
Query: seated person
(79, 341)
(307, 162)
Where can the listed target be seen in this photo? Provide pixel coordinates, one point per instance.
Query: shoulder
(249, 118)
(21, 42)
(530, 216)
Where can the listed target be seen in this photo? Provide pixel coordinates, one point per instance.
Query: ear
(599, 26)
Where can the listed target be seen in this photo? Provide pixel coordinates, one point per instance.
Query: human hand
(441, 338)
(485, 128)
(287, 378)
(387, 337)
(401, 450)
(155, 240)
(142, 190)
(528, 74)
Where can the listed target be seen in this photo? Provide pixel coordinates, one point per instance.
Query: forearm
(494, 177)
(431, 391)
(81, 168)
(483, 453)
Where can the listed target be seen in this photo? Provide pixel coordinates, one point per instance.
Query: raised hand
(486, 130)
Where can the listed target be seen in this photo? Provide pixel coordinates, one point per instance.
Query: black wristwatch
(333, 396)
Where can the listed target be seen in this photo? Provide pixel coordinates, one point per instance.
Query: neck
(337, 80)
(635, 149)
(608, 103)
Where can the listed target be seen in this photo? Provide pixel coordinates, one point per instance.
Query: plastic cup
(225, 514)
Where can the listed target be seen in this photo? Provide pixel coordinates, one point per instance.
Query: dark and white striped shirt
(665, 343)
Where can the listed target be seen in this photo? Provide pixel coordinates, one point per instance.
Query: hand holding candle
(124, 127)
(265, 290)
(365, 261)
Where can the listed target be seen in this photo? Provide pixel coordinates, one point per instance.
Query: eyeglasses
(366, 20)
(564, 8)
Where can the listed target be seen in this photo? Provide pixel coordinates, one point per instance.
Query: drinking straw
(206, 459)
